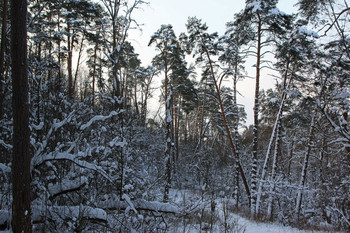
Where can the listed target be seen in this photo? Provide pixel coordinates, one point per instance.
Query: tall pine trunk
(80, 53)
(228, 133)
(21, 212)
(236, 133)
(94, 75)
(168, 121)
(70, 62)
(256, 124)
(177, 127)
(115, 76)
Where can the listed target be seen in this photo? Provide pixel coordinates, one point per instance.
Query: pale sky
(214, 13)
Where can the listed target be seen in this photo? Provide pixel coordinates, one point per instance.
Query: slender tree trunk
(144, 105)
(78, 62)
(124, 90)
(100, 78)
(228, 133)
(322, 158)
(276, 127)
(172, 125)
(168, 121)
(201, 126)
(135, 97)
(38, 86)
(277, 142)
(305, 166)
(122, 163)
(94, 75)
(59, 52)
(21, 211)
(236, 134)
(273, 172)
(70, 62)
(2, 55)
(256, 124)
(116, 77)
(177, 127)
(185, 127)
(291, 152)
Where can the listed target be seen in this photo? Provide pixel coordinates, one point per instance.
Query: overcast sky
(215, 13)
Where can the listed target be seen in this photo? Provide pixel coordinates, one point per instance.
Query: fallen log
(155, 206)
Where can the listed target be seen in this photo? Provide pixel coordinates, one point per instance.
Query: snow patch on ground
(234, 222)
(254, 227)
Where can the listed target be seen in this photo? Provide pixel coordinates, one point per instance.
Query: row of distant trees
(312, 74)
(87, 114)
(312, 94)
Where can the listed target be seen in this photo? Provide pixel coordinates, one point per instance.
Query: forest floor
(255, 227)
(221, 218)
(196, 212)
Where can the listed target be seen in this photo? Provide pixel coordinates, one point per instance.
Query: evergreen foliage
(99, 161)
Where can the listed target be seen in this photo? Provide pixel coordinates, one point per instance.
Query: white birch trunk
(305, 166)
(273, 172)
(267, 156)
(276, 127)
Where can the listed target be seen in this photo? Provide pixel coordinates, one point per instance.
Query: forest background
(79, 151)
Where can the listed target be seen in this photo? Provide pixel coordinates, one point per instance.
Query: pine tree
(235, 38)
(166, 41)
(205, 46)
(21, 177)
(120, 19)
(269, 21)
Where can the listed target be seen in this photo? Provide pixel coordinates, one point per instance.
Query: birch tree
(294, 54)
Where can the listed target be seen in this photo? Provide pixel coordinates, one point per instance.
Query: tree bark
(21, 212)
(94, 75)
(70, 62)
(2, 54)
(305, 166)
(236, 133)
(168, 120)
(228, 133)
(276, 128)
(78, 61)
(177, 127)
(274, 168)
(256, 123)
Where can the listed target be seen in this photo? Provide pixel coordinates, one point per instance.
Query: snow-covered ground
(202, 216)
(234, 223)
(254, 227)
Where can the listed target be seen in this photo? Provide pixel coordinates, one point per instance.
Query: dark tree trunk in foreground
(21, 214)
(2, 54)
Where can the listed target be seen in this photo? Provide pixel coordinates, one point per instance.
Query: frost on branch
(113, 203)
(98, 118)
(36, 161)
(67, 186)
(67, 213)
